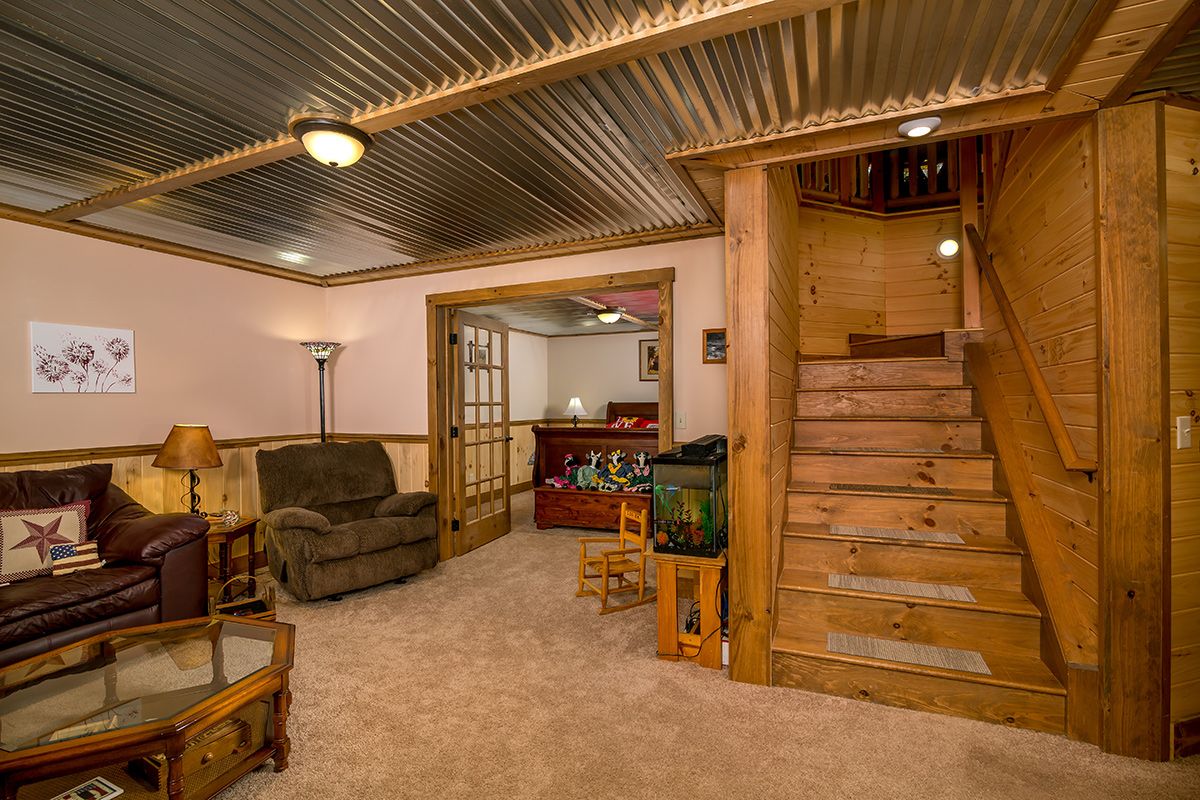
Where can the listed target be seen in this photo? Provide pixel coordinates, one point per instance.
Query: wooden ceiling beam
(1168, 39)
(592, 304)
(879, 132)
(698, 27)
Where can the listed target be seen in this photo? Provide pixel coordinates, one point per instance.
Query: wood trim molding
(403, 438)
(638, 279)
(126, 451)
(1135, 490)
(1080, 43)
(646, 41)
(1071, 460)
(157, 245)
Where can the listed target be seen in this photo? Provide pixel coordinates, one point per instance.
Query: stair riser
(941, 471)
(1012, 707)
(892, 619)
(894, 402)
(833, 375)
(903, 562)
(917, 513)
(930, 345)
(890, 434)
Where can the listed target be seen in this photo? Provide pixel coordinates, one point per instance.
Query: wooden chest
(573, 508)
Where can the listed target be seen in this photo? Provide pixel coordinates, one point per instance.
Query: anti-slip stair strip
(926, 655)
(933, 591)
(896, 533)
(870, 487)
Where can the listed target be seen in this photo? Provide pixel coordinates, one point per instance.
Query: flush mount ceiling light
(915, 128)
(948, 248)
(610, 314)
(329, 138)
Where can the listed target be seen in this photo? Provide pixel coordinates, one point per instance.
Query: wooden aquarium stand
(702, 646)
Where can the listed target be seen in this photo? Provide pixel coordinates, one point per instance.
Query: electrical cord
(694, 610)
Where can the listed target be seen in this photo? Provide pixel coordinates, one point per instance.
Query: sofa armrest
(148, 538)
(295, 517)
(404, 504)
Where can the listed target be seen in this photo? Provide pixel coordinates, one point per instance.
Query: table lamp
(576, 410)
(189, 447)
(321, 351)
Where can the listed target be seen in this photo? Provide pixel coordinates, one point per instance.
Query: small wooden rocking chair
(628, 557)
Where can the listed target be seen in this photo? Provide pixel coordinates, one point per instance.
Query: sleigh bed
(591, 507)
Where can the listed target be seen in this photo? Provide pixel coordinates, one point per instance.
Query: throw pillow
(623, 422)
(27, 536)
(68, 558)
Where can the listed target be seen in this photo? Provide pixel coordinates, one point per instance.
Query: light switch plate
(680, 420)
(1183, 433)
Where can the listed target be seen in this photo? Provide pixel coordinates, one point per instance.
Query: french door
(479, 433)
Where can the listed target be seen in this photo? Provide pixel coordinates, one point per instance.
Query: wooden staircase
(889, 484)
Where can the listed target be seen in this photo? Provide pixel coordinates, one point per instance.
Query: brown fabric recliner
(156, 566)
(335, 522)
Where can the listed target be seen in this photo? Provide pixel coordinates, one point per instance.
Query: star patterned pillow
(27, 537)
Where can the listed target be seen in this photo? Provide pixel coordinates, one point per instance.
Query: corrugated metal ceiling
(101, 93)
(561, 316)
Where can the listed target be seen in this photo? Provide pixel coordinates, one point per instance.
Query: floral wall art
(74, 358)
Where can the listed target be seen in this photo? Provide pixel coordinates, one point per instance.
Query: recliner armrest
(295, 517)
(404, 504)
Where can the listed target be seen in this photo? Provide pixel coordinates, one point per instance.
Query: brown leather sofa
(156, 566)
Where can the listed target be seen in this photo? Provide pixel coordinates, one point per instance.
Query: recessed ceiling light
(294, 258)
(609, 315)
(948, 248)
(915, 128)
(329, 138)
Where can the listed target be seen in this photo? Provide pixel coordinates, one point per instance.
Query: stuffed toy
(640, 479)
(567, 479)
(616, 474)
(586, 477)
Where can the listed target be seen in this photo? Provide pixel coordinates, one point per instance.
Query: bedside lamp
(576, 410)
(189, 447)
(321, 351)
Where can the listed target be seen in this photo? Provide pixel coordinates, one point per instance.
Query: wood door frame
(437, 330)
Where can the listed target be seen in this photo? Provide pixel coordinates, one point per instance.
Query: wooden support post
(1134, 393)
(968, 165)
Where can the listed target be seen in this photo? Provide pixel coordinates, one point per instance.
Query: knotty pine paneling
(783, 227)
(1041, 232)
(841, 286)
(1182, 146)
(922, 291)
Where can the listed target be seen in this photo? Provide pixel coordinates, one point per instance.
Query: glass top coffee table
(174, 710)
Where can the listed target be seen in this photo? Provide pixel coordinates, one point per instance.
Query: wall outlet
(680, 420)
(1183, 433)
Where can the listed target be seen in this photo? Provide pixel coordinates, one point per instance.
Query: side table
(223, 536)
(702, 646)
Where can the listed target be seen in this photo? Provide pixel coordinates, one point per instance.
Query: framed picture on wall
(77, 358)
(714, 345)
(648, 359)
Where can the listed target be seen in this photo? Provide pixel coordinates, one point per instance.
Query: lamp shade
(575, 408)
(188, 447)
(321, 351)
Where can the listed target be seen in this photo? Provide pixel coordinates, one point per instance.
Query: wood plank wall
(922, 291)
(861, 273)
(783, 243)
(1041, 231)
(1182, 144)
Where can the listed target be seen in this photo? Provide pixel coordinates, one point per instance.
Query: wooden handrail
(1071, 460)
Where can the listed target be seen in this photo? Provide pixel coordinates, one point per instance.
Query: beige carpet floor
(487, 678)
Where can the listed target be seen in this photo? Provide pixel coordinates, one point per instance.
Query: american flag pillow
(68, 558)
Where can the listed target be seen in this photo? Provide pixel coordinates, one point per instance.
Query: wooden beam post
(1134, 393)
(968, 176)
(748, 326)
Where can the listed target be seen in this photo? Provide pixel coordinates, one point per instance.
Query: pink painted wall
(379, 380)
(213, 344)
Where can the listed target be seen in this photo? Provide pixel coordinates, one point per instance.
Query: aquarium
(690, 507)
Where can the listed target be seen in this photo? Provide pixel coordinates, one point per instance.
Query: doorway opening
(472, 467)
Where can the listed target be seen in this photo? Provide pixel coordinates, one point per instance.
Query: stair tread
(881, 359)
(973, 542)
(1008, 669)
(886, 387)
(900, 452)
(989, 600)
(890, 418)
(973, 495)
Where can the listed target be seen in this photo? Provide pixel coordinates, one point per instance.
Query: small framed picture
(714, 345)
(648, 359)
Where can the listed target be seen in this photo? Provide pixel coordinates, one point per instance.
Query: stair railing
(1071, 459)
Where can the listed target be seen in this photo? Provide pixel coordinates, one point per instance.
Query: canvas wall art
(76, 358)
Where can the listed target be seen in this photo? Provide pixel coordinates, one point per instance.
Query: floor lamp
(321, 351)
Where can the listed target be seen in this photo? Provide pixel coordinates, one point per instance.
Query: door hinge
(453, 431)
(454, 338)
(454, 526)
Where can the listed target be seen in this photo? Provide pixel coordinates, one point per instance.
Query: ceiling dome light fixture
(948, 248)
(329, 139)
(916, 128)
(610, 314)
